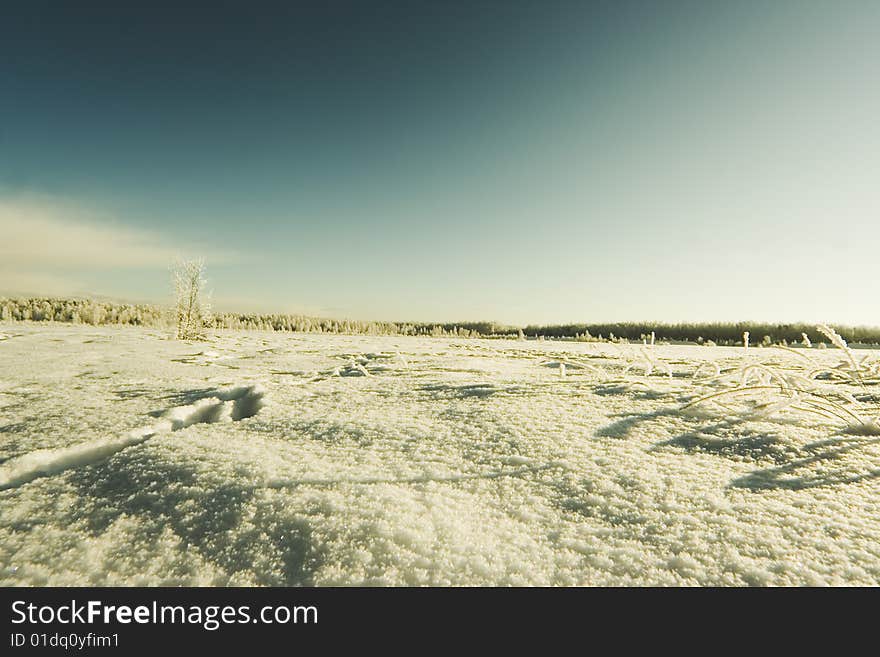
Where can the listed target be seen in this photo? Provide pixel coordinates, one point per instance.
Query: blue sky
(527, 162)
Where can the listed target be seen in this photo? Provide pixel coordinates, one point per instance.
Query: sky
(523, 162)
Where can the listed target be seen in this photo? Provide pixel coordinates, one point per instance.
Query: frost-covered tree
(192, 310)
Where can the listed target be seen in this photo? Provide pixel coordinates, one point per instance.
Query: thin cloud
(39, 235)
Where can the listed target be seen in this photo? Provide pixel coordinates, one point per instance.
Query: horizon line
(460, 322)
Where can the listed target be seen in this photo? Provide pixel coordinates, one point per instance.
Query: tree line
(100, 313)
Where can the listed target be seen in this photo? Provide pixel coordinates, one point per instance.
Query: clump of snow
(228, 405)
(232, 404)
(44, 462)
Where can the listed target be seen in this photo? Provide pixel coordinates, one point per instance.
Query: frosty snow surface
(256, 458)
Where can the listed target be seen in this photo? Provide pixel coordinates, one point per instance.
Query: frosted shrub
(191, 307)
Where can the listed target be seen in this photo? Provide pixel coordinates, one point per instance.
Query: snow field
(127, 458)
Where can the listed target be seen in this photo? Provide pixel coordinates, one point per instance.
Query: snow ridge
(231, 404)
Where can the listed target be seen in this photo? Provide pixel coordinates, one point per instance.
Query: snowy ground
(127, 458)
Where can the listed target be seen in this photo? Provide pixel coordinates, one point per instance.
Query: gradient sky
(527, 162)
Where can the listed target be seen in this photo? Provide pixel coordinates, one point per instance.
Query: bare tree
(191, 304)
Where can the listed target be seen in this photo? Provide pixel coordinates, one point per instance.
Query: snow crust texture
(128, 458)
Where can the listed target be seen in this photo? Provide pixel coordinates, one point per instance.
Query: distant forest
(87, 311)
